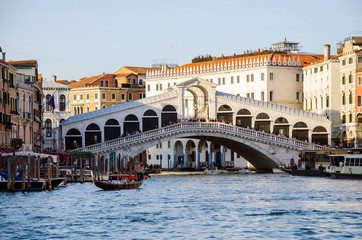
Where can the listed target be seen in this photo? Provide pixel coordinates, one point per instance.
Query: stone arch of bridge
(260, 157)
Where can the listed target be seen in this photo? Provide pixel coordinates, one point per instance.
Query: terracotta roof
(357, 40)
(61, 81)
(83, 82)
(124, 74)
(32, 63)
(138, 70)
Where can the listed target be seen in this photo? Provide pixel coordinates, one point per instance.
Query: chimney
(54, 78)
(327, 51)
(4, 53)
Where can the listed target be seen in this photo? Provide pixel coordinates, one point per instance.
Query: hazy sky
(74, 39)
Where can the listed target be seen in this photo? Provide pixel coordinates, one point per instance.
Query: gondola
(109, 186)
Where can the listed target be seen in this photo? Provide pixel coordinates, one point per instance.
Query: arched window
(243, 112)
(62, 102)
(224, 108)
(102, 83)
(300, 125)
(319, 129)
(281, 120)
(48, 107)
(262, 116)
(107, 83)
(116, 83)
(48, 128)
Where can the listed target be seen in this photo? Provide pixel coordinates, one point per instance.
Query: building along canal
(253, 206)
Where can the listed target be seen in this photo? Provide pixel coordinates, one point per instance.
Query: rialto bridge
(263, 133)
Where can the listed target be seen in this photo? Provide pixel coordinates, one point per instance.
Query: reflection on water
(262, 206)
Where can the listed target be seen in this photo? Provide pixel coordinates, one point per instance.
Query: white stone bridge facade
(263, 133)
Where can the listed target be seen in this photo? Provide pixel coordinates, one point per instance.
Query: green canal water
(255, 206)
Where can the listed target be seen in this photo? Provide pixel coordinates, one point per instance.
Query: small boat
(214, 171)
(345, 166)
(282, 170)
(244, 171)
(35, 184)
(110, 186)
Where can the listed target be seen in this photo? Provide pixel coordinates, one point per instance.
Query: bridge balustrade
(226, 128)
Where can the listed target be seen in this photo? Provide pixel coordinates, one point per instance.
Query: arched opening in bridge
(300, 131)
(191, 154)
(262, 122)
(73, 139)
(112, 129)
(225, 114)
(243, 118)
(203, 152)
(149, 120)
(168, 115)
(320, 135)
(130, 124)
(93, 134)
(196, 101)
(178, 154)
(281, 126)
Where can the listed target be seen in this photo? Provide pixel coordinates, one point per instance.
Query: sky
(74, 39)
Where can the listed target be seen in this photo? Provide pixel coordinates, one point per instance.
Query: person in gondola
(139, 174)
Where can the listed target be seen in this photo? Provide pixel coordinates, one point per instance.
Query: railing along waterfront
(200, 127)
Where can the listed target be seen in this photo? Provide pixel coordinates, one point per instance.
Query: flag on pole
(52, 103)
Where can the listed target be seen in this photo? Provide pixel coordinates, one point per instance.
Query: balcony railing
(26, 115)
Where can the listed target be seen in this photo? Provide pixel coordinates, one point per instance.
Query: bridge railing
(184, 127)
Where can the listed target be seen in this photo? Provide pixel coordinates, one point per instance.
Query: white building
(52, 119)
(275, 77)
(322, 89)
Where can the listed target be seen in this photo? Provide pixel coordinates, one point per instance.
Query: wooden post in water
(38, 167)
(50, 173)
(23, 168)
(81, 180)
(28, 159)
(72, 168)
(9, 174)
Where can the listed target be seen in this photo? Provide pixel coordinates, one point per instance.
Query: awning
(5, 150)
(31, 154)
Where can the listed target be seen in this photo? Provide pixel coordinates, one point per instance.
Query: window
(169, 144)
(219, 81)
(343, 62)
(359, 80)
(321, 102)
(271, 96)
(75, 97)
(315, 70)
(327, 101)
(252, 96)
(123, 96)
(102, 83)
(48, 107)
(232, 80)
(350, 98)
(160, 86)
(157, 157)
(48, 128)
(87, 96)
(252, 77)
(210, 80)
(160, 145)
(113, 96)
(107, 83)
(297, 77)
(88, 108)
(343, 99)
(321, 68)
(62, 103)
(149, 156)
(350, 78)
(248, 78)
(81, 97)
(271, 76)
(103, 96)
(149, 89)
(350, 60)
(262, 96)
(96, 96)
(343, 79)
(297, 96)
(343, 118)
(237, 79)
(169, 85)
(359, 101)
(248, 95)
(350, 117)
(316, 102)
(156, 87)
(223, 81)
(130, 96)
(262, 77)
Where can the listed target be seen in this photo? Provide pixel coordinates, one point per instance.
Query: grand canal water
(258, 206)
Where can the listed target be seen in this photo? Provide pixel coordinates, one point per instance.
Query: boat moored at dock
(345, 166)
